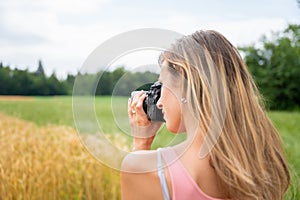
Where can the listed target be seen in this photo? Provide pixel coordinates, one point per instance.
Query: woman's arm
(136, 182)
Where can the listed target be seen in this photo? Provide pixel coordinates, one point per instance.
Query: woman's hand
(143, 130)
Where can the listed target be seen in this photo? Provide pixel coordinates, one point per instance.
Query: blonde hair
(248, 156)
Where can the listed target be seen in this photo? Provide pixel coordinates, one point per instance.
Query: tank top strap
(161, 175)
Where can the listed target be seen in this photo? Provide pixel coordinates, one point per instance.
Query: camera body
(149, 104)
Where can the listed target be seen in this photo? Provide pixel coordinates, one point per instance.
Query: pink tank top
(183, 185)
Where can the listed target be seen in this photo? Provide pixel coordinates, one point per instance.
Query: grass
(288, 125)
(41, 110)
(54, 129)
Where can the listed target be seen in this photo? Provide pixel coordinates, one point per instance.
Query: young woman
(232, 150)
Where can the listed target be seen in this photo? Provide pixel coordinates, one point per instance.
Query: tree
(104, 85)
(276, 68)
(21, 82)
(40, 70)
(5, 80)
(69, 82)
(55, 87)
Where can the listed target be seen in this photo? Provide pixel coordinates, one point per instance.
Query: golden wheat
(50, 163)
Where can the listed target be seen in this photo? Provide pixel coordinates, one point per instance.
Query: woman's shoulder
(140, 162)
(139, 176)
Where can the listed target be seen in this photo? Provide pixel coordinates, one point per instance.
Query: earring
(183, 100)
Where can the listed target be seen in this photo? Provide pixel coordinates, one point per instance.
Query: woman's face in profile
(169, 100)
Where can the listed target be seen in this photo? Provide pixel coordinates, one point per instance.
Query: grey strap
(161, 175)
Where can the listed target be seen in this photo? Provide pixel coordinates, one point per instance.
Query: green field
(45, 111)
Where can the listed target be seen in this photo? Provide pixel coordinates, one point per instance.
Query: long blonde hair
(248, 156)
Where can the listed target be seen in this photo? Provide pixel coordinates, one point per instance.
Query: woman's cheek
(173, 120)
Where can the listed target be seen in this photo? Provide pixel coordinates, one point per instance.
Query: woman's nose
(159, 104)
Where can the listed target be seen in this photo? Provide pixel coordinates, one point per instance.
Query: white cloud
(57, 6)
(249, 31)
(73, 6)
(64, 32)
(238, 31)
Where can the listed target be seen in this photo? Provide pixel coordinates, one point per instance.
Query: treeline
(275, 65)
(23, 82)
(118, 82)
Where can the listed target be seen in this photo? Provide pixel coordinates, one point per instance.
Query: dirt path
(16, 98)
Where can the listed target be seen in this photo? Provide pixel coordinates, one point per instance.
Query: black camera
(149, 104)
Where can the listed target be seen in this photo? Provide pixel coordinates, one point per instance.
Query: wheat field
(50, 163)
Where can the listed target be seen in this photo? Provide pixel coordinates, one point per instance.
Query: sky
(63, 33)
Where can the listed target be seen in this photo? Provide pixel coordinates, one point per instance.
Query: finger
(139, 105)
(137, 96)
(129, 108)
(135, 100)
